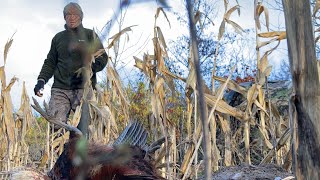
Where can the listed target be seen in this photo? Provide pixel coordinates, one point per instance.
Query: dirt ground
(250, 172)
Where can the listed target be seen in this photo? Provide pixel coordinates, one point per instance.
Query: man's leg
(59, 105)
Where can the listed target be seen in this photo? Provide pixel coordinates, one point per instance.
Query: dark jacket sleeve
(50, 63)
(100, 61)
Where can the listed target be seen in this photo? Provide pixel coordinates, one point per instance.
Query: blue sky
(35, 22)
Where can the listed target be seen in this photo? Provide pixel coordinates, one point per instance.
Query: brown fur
(104, 162)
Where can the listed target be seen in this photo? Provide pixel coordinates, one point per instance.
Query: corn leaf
(267, 71)
(3, 77)
(223, 107)
(258, 104)
(222, 29)
(263, 62)
(259, 9)
(160, 9)
(261, 44)
(115, 78)
(316, 8)
(7, 48)
(238, 8)
(266, 141)
(252, 96)
(272, 34)
(236, 26)
(224, 124)
(282, 36)
(162, 41)
(115, 38)
(8, 115)
(225, 2)
(230, 11)
(232, 85)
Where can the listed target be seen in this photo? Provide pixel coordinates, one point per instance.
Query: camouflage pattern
(62, 101)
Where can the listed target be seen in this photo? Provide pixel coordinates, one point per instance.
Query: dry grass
(252, 130)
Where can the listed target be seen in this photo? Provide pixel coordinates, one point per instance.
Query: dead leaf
(252, 96)
(316, 8)
(164, 13)
(230, 11)
(263, 62)
(258, 10)
(223, 107)
(7, 48)
(117, 36)
(197, 18)
(232, 85)
(267, 71)
(261, 44)
(282, 36)
(225, 2)
(3, 77)
(258, 104)
(162, 41)
(236, 26)
(222, 29)
(272, 34)
(266, 140)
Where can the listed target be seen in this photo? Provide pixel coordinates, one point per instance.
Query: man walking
(69, 52)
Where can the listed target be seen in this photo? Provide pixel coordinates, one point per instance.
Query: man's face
(72, 18)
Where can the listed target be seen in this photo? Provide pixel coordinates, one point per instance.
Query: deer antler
(52, 119)
(156, 145)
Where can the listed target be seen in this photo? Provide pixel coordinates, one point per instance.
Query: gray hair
(75, 5)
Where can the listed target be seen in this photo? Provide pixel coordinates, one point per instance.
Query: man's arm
(49, 64)
(100, 61)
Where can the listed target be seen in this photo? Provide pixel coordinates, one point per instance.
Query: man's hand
(39, 87)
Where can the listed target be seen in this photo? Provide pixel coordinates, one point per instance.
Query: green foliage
(139, 97)
(35, 133)
(175, 109)
(36, 139)
(140, 100)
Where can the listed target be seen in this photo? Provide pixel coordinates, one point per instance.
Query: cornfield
(254, 131)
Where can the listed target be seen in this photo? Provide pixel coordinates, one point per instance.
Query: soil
(250, 172)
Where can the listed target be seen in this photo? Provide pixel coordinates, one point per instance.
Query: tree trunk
(305, 102)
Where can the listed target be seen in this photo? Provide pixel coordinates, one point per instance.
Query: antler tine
(156, 145)
(52, 120)
(37, 107)
(46, 106)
